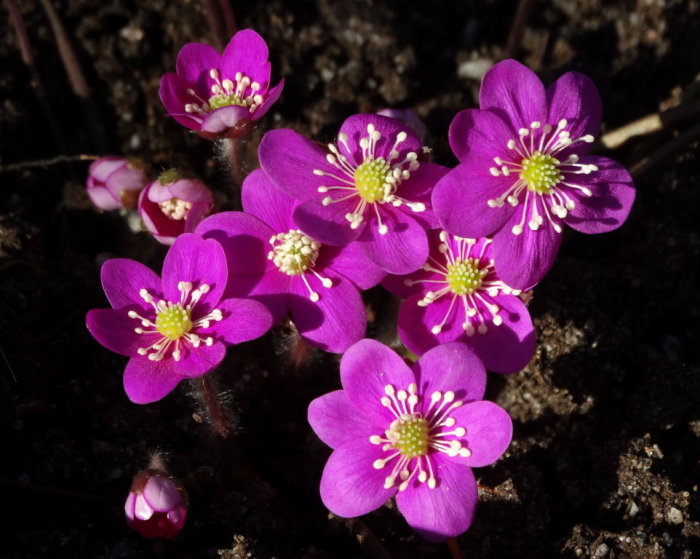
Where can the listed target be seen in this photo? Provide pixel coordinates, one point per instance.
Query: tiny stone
(474, 69)
(601, 550)
(634, 509)
(674, 516)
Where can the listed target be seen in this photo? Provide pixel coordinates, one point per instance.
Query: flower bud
(173, 205)
(156, 506)
(115, 182)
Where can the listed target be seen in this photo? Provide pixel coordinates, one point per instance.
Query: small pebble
(674, 516)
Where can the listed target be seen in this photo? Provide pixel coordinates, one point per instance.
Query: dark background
(604, 461)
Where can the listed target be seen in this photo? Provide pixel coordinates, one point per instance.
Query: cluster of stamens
(240, 91)
(413, 436)
(541, 174)
(175, 208)
(374, 180)
(173, 322)
(468, 276)
(294, 254)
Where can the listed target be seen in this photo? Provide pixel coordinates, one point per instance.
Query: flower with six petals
(458, 296)
(369, 186)
(272, 261)
(175, 328)
(221, 95)
(414, 433)
(524, 171)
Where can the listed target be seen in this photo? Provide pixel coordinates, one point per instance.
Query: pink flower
(524, 171)
(172, 205)
(175, 328)
(221, 95)
(156, 506)
(115, 182)
(414, 433)
(272, 261)
(458, 296)
(368, 187)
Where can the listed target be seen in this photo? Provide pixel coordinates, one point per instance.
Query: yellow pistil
(370, 179)
(174, 321)
(540, 172)
(409, 436)
(464, 276)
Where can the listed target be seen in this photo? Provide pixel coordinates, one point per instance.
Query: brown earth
(605, 457)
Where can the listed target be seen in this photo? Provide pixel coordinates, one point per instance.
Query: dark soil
(605, 457)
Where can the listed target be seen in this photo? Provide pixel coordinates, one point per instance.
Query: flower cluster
(322, 223)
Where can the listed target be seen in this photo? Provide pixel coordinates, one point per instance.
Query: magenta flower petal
(265, 201)
(336, 421)
(193, 64)
(122, 279)
(612, 196)
(575, 97)
(146, 381)
(515, 93)
(289, 160)
(350, 261)
(451, 367)
(272, 96)
(247, 52)
(365, 370)
(416, 320)
(350, 486)
(355, 127)
(461, 200)
(161, 495)
(193, 257)
(244, 239)
(114, 330)
(517, 334)
(537, 248)
(244, 320)
(225, 118)
(446, 511)
(327, 224)
(334, 322)
(403, 249)
(475, 131)
(173, 94)
(489, 431)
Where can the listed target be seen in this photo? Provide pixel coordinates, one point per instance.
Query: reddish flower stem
(518, 28)
(28, 59)
(229, 18)
(213, 20)
(217, 414)
(454, 549)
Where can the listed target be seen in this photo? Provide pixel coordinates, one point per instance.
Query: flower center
(464, 276)
(414, 435)
(173, 321)
(175, 208)
(370, 180)
(545, 183)
(375, 180)
(240, 92)
(462, 270)
(409, 435)
(540, 172)
(293, 252)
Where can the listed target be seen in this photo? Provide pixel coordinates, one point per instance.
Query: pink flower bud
(115, 182)
(156, 506)
(173, 205)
